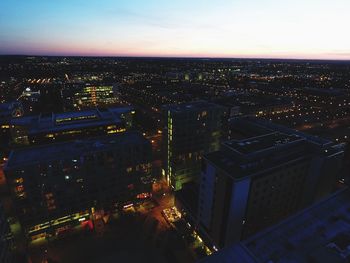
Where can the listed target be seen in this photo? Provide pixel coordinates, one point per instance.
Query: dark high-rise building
(7, 112)
(320, 234)
(46, 128)
(192, 130)
(50, 99)
(253, 183)
(57, 186)
(6, 255)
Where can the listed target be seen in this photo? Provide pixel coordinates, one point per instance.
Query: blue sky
(221, 28)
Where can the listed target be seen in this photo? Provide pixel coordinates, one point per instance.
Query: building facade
(57, 186)
(94, 95)
(192, 130)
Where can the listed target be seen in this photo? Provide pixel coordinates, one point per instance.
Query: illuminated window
(49, 195)
(19, 188)
(19, 180)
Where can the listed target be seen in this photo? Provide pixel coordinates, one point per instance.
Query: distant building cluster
(88, 96)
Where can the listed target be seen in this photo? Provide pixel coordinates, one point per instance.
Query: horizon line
(177, 57)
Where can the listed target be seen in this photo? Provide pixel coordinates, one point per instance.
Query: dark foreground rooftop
(318, 234)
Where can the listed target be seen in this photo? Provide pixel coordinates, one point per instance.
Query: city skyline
(240, 29)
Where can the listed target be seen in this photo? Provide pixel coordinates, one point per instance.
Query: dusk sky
(317, 29)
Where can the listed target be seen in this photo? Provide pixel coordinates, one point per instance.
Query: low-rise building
(55, 127)
(59, 185)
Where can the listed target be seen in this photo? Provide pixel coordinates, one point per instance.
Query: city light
(174, 131)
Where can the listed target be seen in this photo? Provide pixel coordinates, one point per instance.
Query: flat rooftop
(71, 120)
(63, 118)
(240, 158)
(64, 150)
(192, 106)
(258, 126)
(261, 143)
(238, 169)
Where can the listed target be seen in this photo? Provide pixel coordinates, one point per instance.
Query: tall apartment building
(60, 185)
(48, 128)
(192, 130)
(253, 183)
